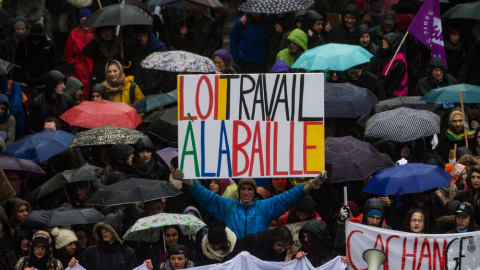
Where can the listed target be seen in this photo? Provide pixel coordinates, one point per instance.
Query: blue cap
(375, 212)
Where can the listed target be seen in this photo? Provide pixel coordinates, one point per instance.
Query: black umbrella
(166, 125)
(118, 14)
(85, 173)
(274, 6)
(106, 135)
(133, 190)
(411, 102)
(6, 67)
(44, 219)
(345, 100)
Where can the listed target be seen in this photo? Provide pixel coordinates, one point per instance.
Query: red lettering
(387, 246)
(257, 140)
(181, 104)
(292, 149)
(238, 147)
(215, 112)
(275, 150)
(423, 255)
(307, 147)
(349, 254)
(379, 240)
(413, 255)
(210, 97)
(441, 255)
(268, 149)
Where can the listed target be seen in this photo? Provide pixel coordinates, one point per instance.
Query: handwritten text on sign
(413, 251)
(251, 125)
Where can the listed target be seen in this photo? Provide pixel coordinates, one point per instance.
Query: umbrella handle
(128, 66)
(99, 4)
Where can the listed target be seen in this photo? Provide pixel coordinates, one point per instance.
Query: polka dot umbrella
(274, 6)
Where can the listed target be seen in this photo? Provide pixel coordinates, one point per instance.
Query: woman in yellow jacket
(120, 88)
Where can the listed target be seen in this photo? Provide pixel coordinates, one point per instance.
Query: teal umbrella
(464, 11)
(153, 102)
(451, 93)
(333, 56)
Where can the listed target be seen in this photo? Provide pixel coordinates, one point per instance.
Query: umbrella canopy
(402, 125)
(349, 159)
(345, 100)
(167, 154)
(153, 102)
(186, 4)
(451, 93)
(179, 61)
(409, 178)
(149, 229)
(107, 135)
(133, 190)
(407, 102)
(464, 11)
(95, 114)
(85, 173)
(44, 219)
(6, 67)
(28, 168)
(274, 6)
(166, 125)
(40, 146)
(118, 14)
(333, 56)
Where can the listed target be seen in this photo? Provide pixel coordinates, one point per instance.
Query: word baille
(251, 125)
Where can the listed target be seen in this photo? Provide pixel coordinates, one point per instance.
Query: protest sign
(251, 125)
(412, 251)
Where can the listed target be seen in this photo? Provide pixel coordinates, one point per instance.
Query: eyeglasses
(416, 221)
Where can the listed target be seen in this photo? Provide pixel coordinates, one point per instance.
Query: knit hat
(37, 30)
(216, 233)
(19, 23)
(84, 12)
(63, 237)
(246, 181)
(42, 237)
(374, 212)
(305, 205)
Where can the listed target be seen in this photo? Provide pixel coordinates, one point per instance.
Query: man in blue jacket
(247, 216)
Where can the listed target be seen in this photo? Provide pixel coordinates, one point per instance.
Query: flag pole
(463, 116)
(398, 49)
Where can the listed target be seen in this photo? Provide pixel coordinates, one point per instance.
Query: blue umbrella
(40, 146)
(333, 56)
(451, 93)
(409, 178)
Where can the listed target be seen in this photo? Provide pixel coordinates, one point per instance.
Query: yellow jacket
(124, 96)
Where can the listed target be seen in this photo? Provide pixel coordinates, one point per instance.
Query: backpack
(133, 85)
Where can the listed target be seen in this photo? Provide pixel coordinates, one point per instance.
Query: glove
(344, 213)
(178, 174)
(316, 182)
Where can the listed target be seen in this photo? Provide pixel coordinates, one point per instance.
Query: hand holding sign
(316, 182)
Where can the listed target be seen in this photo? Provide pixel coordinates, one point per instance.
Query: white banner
(251, 125)
(413, 251)
(245, 261)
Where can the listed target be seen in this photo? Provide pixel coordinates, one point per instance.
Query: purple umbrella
(28, 168)
(167, 154)
(349, 159)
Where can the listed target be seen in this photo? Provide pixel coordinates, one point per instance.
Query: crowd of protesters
(60, 62)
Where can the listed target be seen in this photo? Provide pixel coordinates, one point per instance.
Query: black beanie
(305, 205)
(216, 233)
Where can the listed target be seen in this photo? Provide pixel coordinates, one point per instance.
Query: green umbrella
(451, 93)
(464, 11)
(150, 229)
(333, 56)
(153, 102)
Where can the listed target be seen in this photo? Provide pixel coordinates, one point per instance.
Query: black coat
(203, 36)
(470, 71)
(258, 247)
(371, 82)
(340, 33)
(104, 256)
(428, 83)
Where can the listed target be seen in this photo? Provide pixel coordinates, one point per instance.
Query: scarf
(212, 254)
(453, 47)
(145, 170)
(175, 182)
(113, 88)
(458, 137)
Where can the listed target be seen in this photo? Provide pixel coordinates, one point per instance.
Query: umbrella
(28, 168)
(451, 93)
(6, 67)
(85, 173)
(407, 102)
(345, 100)
(186, 4)
(133, 190)
(402, 125)
(274, 6)
(464, 11)
(166, 125)
(409, 178)
(333, 56)
(106, 135)
(40, 146)
(179, 61)
(44, 219)
(153, 102)
(167, 154)
(94, 114)
(150, 229)
(118, 14)
(348, 159)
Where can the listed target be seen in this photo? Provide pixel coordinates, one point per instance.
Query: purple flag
(427, 28)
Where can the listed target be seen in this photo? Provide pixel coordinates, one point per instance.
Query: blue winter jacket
(249, 43)
(15, 97)
(246, 219)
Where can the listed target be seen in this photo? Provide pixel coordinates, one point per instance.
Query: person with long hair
(120, 88)
(472, 194)
(415, 221)
(316, 242)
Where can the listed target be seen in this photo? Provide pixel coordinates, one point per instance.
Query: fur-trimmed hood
(112, 223)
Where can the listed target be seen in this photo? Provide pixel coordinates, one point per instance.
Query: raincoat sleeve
(69, 53)
(138, 95)
(279, 204)
(215, 204)
(235, 37)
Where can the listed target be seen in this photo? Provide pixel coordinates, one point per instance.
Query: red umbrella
(94, 114)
